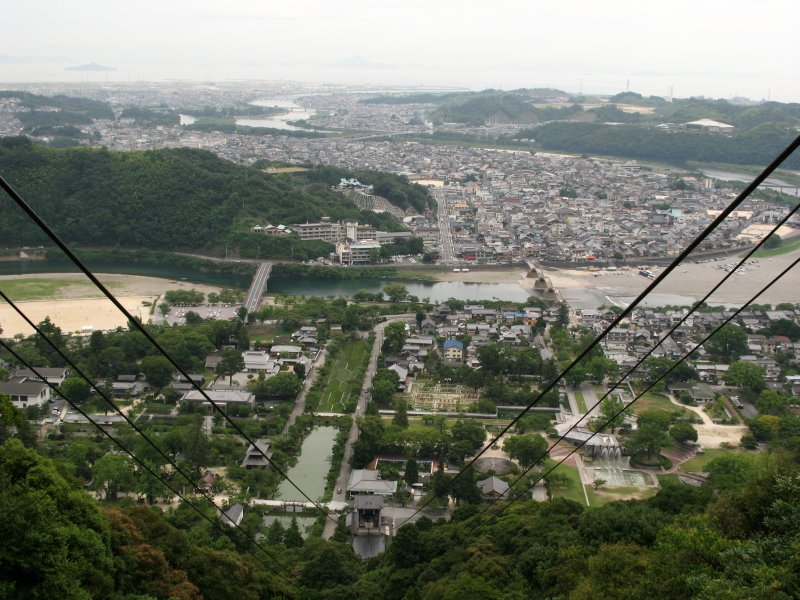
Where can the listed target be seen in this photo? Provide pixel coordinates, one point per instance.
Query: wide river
(433, 290)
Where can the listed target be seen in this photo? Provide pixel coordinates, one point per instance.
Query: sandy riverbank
(688, 282)
(72, 315)
(75, 303)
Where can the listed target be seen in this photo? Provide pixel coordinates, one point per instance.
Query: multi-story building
(357, 253)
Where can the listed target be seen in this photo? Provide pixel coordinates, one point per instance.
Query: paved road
(590, 397)
(300, 403)
(344, 472)
(445, 232)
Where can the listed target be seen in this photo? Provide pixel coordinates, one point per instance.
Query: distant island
(90, 67)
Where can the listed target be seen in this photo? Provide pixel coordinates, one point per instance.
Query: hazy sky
(706, 47)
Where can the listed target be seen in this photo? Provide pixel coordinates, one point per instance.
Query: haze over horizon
(691, 48)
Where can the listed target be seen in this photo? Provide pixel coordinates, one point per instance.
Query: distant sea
(783, 88)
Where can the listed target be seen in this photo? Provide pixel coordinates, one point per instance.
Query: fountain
(609, 464)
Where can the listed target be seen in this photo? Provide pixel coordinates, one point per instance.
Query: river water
(435, 291)
(296, 113)
(167, 272)
(770, 182)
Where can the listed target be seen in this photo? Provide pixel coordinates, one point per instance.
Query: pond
(312, 467)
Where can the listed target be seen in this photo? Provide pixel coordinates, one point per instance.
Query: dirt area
(75, 306)
(692, 280)
(120, 285)
(711, 435)
(74, 314)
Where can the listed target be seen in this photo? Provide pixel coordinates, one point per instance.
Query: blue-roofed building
(453, 350)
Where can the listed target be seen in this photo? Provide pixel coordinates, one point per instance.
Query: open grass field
(338, 384)
(699, 462)
(784, 248)
(40, 289)
(580, 401)
(652, 401)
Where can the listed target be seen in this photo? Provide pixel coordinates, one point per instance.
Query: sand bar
(78, 304)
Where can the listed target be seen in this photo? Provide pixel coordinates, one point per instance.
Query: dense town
(392, 395)
(495, 205)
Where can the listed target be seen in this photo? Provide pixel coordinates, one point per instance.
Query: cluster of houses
(641, 332)
(584, 210)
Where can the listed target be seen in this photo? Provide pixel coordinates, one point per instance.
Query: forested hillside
(756, 146)
(736, 538)
(169, 199)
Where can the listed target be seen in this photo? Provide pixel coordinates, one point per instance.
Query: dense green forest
(738, 538)
(395, 188)
(173, 199)
(758, 145)
(498, 107)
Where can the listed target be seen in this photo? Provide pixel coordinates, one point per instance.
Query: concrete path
(300, 402)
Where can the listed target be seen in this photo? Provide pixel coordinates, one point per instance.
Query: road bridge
(258, 287)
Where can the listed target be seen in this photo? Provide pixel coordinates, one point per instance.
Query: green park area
(342, 381)
(580, 401)
(699, 462)
(567, 484)
(39, 289)
(659, 402)
(784, 248)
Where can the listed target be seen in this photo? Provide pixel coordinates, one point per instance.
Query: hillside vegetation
(627, 125)
(171, 199)
(755, 146)
(736, 538)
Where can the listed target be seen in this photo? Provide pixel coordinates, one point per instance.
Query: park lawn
(671, 477)
(784, 248)
(612, 494)
(338, 382)
(572, 490)
(654, 401)
(579, 400)
(699, 462)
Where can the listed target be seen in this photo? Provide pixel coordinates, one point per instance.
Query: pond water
(621, 478)
(312, 467)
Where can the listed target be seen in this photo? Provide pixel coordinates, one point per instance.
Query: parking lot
(206, 311)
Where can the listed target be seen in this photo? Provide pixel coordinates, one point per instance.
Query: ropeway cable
(134, 322)
(116, 408)
(766, 172)
(144, 465)
(622, 410)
